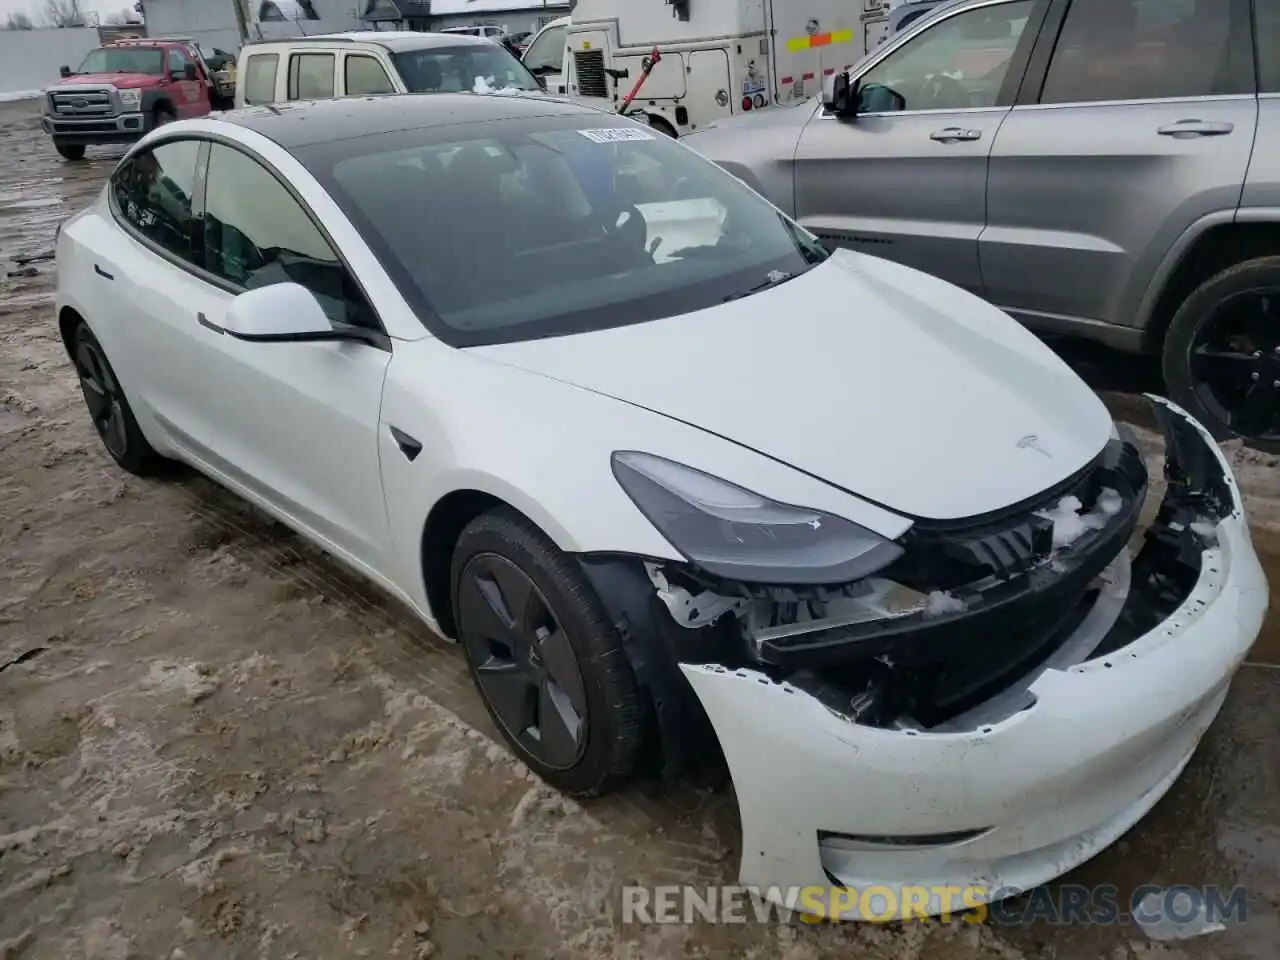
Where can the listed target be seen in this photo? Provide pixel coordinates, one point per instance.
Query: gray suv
(1099, 168)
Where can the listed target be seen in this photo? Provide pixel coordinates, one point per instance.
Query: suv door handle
(102, 273)
(955, 135)
(1196, 128)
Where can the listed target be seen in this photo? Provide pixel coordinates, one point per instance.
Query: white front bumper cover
(980, 815)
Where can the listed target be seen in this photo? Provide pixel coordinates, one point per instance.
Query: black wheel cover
(1234, 363)
(525, 666)
(102, 397)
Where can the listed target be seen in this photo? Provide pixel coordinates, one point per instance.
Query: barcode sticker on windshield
(618, 134)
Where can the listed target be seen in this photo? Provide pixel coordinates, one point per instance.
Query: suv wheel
(69, 151)
(1222, 354)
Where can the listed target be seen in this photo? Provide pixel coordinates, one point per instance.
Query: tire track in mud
(689, 832)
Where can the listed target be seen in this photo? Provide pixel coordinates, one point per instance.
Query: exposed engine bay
(953, 634)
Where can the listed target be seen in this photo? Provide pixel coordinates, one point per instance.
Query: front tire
(162, 116)
(69, 151)
(109, 409)
(1222, 354)
(549, 665)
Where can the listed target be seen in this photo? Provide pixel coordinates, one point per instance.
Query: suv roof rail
(314, 38)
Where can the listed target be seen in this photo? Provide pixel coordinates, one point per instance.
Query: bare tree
(63, 13)
(18, 21)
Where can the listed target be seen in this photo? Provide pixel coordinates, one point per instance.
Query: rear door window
(1113, 50)
(152, 193)
(311, 76)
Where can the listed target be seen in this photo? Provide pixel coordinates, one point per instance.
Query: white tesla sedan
(675, 477)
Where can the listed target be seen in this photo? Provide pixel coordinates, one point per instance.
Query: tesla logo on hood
(1032, 442)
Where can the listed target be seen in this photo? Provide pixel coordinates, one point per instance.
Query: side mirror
(64, 71)
(842, 101)
(189, 72)
(285, 313)
(878, 98)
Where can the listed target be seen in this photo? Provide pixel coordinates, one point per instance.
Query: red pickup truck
(124, 89)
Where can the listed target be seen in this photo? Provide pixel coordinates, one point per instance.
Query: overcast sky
(36, 7)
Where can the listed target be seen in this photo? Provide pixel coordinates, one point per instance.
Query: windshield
(518, 229)
(124, 60)
(456, 69)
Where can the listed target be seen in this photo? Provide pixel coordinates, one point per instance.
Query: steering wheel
(940, 92)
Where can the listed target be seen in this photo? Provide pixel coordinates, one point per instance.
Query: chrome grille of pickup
(81, 103)
(589, 65)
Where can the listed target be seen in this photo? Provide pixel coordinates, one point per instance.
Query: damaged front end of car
(945, 628)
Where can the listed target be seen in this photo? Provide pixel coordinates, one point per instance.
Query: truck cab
(122, 90)
(717, 58)
(545, 55)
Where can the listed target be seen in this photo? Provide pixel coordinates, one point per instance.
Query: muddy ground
(216, 744)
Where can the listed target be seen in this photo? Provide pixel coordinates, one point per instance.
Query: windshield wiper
(774, 279)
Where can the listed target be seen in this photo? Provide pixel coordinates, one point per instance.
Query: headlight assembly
(130, 99)
(736, 534)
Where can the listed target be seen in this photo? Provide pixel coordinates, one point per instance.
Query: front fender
(544, 447)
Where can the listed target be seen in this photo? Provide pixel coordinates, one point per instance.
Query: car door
(294, 423)
(907, 178)
(146, 279)
(1136, 121)
(189, 103)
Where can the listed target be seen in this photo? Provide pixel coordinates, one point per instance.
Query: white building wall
(29, 59)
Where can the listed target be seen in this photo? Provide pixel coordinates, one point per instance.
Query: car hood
(878, 379)
(122, 81)
(779, 116)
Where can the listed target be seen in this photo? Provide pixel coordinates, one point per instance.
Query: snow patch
(940, 603)
(13, 96)
(485, 85)
(1070, 522)
(1207, 530)
(1110, 502)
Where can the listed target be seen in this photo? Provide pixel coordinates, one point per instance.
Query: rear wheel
(69, 151)
(1222, 354)
(108, 407)
(548, 663)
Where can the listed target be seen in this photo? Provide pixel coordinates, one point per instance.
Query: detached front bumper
(981, 807)
(122, 128)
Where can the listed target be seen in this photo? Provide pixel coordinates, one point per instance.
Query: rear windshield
(523, 228)
(124, 60)
(462, 68)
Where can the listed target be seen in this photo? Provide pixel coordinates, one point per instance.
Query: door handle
(955, 135)
(102, 273)
(409, 446)
(1196, 128)
(209, 324)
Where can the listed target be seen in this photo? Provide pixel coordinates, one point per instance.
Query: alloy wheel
(525, 666)
(102, 397)
(1235, 364)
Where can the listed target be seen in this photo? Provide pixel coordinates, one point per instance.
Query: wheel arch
(1208, 248)
(68, 319)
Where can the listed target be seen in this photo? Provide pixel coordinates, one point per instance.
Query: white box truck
(717, 57)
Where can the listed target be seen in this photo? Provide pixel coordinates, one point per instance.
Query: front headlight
(736, 534)
(130, 99)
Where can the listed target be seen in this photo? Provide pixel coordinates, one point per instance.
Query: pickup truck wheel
(1222, 354)
(69, 151)
(163, 115)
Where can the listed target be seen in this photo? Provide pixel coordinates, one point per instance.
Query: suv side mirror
(843, 99)
(64, 71)
(189, 72)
